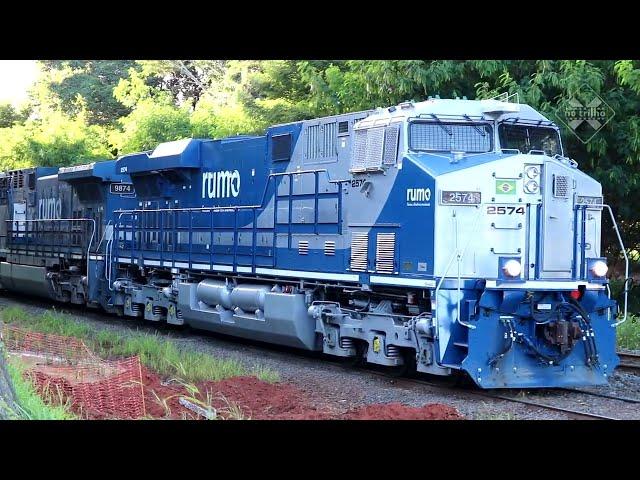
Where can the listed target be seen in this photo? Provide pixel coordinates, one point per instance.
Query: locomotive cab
(515, 244)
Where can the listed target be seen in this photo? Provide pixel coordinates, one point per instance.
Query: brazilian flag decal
(506, 187)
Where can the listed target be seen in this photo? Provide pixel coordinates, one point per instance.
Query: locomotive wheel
(359, 359)
(407, 368)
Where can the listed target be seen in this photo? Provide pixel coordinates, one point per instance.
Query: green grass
(50, 321)
(155, 352)
(33, 406)
(265, 374)
(628, 333)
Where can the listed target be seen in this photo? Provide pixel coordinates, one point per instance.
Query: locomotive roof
(447, 108)
(459, 109)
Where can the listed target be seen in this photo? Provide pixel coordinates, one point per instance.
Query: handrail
(234, 209)
(243, 207)
(460, 256)
(93, 232)
(626, 266)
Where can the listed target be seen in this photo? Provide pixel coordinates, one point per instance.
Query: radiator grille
(561, 186)
(303, 247)
(359, 250)
(390, 144)
(375, 146)
(385, 252)
(359, 150)
(329, 248)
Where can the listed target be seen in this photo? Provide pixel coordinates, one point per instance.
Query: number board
(586, 200)
(122, 189)
(460, 198)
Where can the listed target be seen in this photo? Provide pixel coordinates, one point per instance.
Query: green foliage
(628, 334)
(92, 80)
(156, 352)
(32, 405)
(54, 140)
(150, 124)
(9, 115)
(86, 110)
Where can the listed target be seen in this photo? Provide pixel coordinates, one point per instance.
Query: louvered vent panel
(17, 179)
(385, 252)
(303, 247)
(329, 248)
(320, 141)
(561, 186)
(359, 249)
(343, 127)
(390, 145)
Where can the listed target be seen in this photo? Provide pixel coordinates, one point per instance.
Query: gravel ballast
(331, 384)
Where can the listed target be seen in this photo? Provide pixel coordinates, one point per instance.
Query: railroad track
(629, 362)
(570, 413)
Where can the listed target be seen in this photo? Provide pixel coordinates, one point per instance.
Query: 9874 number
(505, 210)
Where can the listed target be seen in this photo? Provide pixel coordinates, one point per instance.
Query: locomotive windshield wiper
(477, 128)
(442, 125)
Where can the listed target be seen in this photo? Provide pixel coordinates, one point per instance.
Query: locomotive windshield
(526, 138)
(450, 137)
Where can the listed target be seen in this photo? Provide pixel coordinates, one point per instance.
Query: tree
(150, 124)
(9, 115)
(93, 80)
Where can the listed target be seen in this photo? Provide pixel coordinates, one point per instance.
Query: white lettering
(223, 184)
(49, 208)
(418, 194)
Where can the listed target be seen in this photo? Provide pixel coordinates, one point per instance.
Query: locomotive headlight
(512, 268)
(599, 268)
(531, 186)
(532, 171)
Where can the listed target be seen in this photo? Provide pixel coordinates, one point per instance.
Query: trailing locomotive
(53, 229)
(446, 235)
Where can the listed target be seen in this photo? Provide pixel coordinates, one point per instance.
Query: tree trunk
(8, 406)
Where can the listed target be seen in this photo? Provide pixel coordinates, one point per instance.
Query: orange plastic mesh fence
(54, 348)
(65, 370)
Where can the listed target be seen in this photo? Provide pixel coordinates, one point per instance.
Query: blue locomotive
(447, 236)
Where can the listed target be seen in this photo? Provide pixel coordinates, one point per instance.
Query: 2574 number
(505, 210)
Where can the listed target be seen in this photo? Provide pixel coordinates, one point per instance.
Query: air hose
(584, 321)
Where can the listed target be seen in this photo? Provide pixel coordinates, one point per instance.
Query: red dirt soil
(260, 400)
(398, 411)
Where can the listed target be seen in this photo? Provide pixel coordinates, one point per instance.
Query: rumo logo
(418, 194)
(49, 208)
(223, 184)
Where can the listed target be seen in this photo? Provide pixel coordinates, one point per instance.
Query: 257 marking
(507, 210)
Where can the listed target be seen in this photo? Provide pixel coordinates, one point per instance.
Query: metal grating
(450, 137)
(303, 247)
(561, 186)
(343, 127)
(375, 147)
(17, 179)
(359, 252)
(385, 252)
(359, 150)
(320, 141)
(329, 248)
(390, 152)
